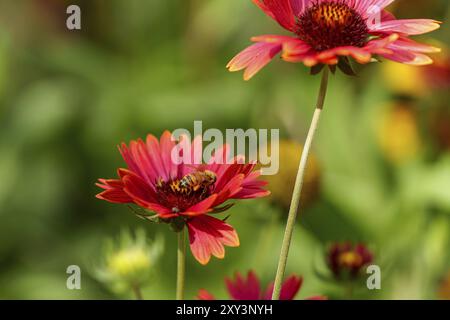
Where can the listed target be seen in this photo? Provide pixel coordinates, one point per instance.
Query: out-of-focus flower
(437, 75)
(327, 32)
(249, 288)
(440, 127)
(130, 261)
(444, 288)
(183, 194)
(407, 80)
(403, 79)
(282, 183)
(346, 260)
(398, 133)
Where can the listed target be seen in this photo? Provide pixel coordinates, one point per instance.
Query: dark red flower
(346, 260)
(183, 194)
(249, 288)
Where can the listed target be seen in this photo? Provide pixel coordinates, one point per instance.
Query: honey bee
(199, 180)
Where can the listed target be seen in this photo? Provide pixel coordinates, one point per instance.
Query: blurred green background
(67, 98)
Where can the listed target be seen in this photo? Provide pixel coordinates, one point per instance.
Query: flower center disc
(331, 24)
(180, 194)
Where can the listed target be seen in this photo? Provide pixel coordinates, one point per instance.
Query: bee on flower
(184, 195)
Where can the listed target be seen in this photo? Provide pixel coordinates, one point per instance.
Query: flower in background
(184, 194)
(282, 183)
(328, 32)
(444, 289)
(437, 75)
(347, 261)
(398, 133)
(417, 82)
(249, 288)
(439, 127)
(129, 262)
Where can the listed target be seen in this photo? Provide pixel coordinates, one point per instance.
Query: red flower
(327, 30)
(249, 289)
(183, 194)
(344, 259)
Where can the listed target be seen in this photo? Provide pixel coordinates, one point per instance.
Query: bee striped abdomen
(188, 190)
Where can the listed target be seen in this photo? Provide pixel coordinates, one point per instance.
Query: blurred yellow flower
(398, 133)
(411, 81)
(281, 185)
(129, 261)
(403, 79)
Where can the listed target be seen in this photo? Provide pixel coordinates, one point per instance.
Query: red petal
(254, 58)
(205, 295)
(279, 10)
(208, 236)
(144, 196)
(113, 191)
(244, 289)
(289, 289)
(202, 207)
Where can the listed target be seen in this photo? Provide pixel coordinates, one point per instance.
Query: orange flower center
(332, 24)
(350, 259)
(180, 194)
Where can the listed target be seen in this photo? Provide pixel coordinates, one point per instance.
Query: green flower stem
(137, 292)
(298, 188)
(181, 264)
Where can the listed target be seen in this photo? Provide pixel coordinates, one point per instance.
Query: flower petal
(289, 289)
(202, 207)
(208, 236)
(244, 289)
(279, 10)
(144, 196)
(254, 58)
(409, 52)
(299, 6)
(406, 26)
(358, 54)
(368, 8)
(205, 295)
(113, 191)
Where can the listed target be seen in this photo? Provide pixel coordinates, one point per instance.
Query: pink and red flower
(250, 289)
(156, 183)
(347, 260)
(326, 32)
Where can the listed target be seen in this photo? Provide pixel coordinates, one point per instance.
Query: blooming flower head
(249, 288)
(183, 194)
(346, 260)
(327, 32)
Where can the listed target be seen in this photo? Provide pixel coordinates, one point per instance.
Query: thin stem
(181, 264)
(137, 292)
(298, 188)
